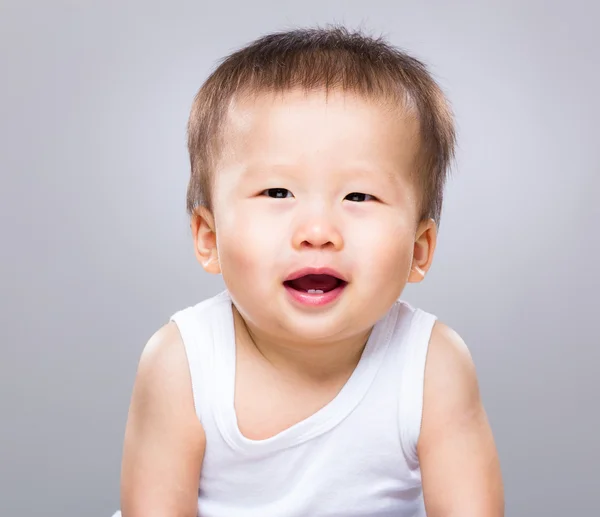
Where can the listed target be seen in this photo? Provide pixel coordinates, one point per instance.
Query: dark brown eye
(277, 193)
(359, 197)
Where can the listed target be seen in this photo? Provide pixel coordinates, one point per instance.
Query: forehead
(334, 129)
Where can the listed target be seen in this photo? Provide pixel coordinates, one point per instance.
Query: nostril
(317, 234)
(309, 244)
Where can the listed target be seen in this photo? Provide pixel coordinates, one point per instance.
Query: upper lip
(315, 271)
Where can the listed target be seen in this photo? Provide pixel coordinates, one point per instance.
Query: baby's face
(315, 212)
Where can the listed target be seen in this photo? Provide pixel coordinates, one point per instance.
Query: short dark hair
(332, 58)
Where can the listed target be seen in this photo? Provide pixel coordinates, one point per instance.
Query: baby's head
(318, 160)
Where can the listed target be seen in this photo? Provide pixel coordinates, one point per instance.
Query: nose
(317, 231)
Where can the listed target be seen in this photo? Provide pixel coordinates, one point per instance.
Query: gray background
(96, 252)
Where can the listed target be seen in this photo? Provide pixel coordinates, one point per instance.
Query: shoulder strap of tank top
(195, 326)
(413, 358)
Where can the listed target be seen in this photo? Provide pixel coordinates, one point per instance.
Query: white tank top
(354, 457)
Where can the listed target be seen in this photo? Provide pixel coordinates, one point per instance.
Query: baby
(309, 388)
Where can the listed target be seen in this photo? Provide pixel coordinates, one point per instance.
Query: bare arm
(164, 440)
(459, 463)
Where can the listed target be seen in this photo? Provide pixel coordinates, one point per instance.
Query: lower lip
(315, 299)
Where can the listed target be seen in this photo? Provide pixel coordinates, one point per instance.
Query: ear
(205, 239)
(425, 241)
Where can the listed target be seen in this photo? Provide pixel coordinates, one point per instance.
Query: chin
(319, 327)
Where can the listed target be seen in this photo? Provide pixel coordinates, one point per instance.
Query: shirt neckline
(314, 425)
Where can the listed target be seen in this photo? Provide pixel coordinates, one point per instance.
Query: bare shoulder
(451, 394)
(164, 440)
(450, 375)
(457, 453)
(163, 381)
(164, 356)
(163, 385)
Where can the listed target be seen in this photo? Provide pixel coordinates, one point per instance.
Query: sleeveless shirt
(356, 456)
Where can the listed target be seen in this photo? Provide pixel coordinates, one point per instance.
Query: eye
(277, 193)
(359, 197)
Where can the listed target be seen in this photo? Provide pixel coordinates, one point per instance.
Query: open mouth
(315, 284)
(315, 289)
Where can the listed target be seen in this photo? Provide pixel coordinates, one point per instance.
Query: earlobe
(417, 274)
(425, 241)
(205, 240)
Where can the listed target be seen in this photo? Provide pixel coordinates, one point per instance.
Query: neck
(320, 361)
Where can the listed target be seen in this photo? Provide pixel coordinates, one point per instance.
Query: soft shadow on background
(96, 251)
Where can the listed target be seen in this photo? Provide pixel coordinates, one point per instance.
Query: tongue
(321, 282)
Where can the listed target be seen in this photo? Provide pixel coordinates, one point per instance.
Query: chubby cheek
(248, 246)
(385, 254)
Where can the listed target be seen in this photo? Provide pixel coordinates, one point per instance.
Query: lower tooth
(315, 291)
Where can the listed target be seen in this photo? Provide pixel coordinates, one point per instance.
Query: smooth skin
(293, 361)
(164, 441)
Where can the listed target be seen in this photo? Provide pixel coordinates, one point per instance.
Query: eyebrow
(290, 169)
(392, 175)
